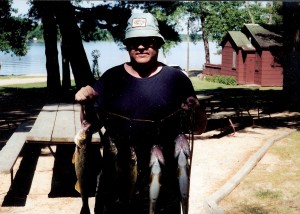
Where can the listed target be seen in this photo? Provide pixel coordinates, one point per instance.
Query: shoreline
(14, 80)
(6, 80)
(22, 75)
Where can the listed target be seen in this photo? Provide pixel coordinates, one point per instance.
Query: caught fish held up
(182, 153)
(81, 161)
(133, 173)
(111, 167)
(156, 159)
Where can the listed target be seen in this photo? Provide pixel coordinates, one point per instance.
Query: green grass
(25, 86)
(30, 85)
(271, 194)
(201, 85)
(272, 186)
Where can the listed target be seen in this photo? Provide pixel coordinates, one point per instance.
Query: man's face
(143, 49)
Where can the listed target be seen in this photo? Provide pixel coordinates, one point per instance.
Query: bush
(227, 80)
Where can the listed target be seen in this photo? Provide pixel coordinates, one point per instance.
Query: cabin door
(250, 69)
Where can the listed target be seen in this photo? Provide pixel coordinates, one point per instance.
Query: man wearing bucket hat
(143, 105)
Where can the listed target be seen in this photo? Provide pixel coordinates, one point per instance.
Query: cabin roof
(241, 40)
(262, 36)
(251, 36)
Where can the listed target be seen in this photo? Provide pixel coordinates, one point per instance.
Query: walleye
(81, 162)
(133, 173)
(156, 159)
(111, 167)
(182, 153)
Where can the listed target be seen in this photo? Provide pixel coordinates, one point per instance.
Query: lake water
(35, 61)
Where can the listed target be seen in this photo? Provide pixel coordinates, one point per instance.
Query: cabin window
(234, 60)
(275, 62)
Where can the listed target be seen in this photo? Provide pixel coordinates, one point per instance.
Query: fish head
(181, 143)
(112, 147)
(133, 157)
(85, 125)
(156, 154)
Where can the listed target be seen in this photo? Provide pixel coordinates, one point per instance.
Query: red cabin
(252, 56)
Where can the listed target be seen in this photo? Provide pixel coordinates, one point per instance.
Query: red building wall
(258, 69)
(227, 55)
(271, 73)
(252, 68)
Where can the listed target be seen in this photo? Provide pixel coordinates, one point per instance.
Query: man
(143, 105)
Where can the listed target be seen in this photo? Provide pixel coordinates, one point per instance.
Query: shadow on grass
(253, 107)
(21, 104)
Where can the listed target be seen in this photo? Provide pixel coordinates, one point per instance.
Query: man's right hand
(86, 93)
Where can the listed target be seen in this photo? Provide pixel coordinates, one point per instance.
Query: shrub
(227, 80)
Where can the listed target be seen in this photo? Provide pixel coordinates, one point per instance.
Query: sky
(21, 5)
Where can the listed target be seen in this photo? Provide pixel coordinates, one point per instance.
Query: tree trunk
(291, 65)
(65, 15)
(205, 40)
(66, 77)
(249, 12)
(50, 37)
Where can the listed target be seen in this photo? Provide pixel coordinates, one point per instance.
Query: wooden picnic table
(56, 124)
(204, 97)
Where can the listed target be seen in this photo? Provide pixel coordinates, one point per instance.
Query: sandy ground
(215, 161)
(32, 79)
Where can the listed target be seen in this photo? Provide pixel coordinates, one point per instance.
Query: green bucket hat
(142, 25)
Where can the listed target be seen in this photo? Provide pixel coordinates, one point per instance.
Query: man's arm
(86, 97)
(198, 115)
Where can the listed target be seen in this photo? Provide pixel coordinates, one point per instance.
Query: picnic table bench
(13, 147)
(224, 115)
(56, 124)
(216, 111)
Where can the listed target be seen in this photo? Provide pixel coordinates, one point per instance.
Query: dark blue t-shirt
(143, 108)
(140, 113)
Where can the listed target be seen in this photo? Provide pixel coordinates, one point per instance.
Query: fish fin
(77, 187)
(73, 158)
(161, 160)
(187, 152)
(176, 151)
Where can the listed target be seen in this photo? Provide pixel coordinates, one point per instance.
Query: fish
(111, 167)
(182, 153)
(156, 159)
(81, 161)
(133, 173)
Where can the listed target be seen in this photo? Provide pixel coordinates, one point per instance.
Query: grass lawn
(273, 186)
(202, 85)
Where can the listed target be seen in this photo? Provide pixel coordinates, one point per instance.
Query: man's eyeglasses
(146, 42)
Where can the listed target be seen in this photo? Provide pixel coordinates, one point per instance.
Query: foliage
(227, 80)
(211, 20)
(37, 32)
(13, 30)
(234, 14)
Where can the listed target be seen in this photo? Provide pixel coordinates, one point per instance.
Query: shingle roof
(262, 36)
(241, 40)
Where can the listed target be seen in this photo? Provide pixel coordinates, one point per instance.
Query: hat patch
(139, 22)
